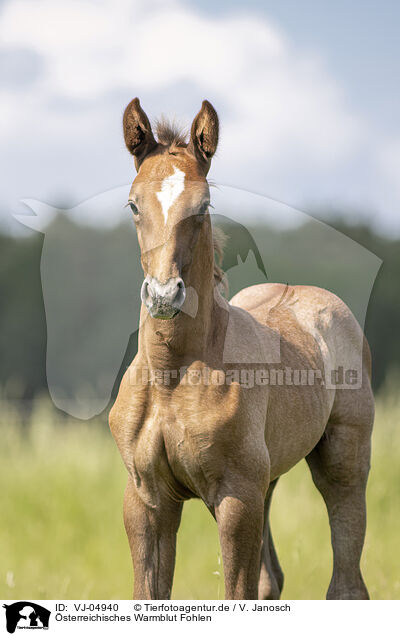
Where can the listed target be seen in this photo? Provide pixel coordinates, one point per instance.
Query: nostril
(180, 293)
(144, 292)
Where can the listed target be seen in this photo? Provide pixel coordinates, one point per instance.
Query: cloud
(285, 122)
(246, 63)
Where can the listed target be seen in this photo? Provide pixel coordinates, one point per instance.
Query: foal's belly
(297, 418)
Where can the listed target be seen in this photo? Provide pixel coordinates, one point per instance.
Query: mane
(219, 241)
(170, 133)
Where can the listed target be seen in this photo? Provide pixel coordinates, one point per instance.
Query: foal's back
(297, 309)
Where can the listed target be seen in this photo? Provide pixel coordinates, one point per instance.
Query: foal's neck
(167, 344)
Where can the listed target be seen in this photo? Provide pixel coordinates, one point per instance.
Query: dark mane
(170, 134)
(219, 240)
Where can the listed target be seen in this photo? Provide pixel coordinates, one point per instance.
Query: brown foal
(183, 421)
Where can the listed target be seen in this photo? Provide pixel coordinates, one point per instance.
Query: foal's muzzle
(163, 300)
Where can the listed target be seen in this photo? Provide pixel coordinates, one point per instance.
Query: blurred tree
(302, 255)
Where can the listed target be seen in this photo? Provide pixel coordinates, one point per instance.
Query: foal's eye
(204, 208)
(134, 208)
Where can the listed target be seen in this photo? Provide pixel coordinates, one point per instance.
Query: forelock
(170, 133)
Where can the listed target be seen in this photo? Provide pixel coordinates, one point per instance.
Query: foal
(184, 423)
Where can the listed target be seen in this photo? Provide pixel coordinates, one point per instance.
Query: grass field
(62, 535)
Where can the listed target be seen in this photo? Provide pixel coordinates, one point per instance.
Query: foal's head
(169, 199)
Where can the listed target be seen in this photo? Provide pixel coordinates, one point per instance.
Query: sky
(307, 93)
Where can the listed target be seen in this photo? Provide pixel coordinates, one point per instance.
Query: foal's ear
(204, 134)
(139, 138)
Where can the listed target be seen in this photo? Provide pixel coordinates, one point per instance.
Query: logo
(26, 615)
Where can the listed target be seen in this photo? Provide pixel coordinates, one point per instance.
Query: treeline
(92, 272)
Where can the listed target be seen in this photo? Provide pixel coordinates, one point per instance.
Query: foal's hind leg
(271, 576)
(339, 465)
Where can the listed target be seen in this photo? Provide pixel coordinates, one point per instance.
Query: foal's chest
(187, 433)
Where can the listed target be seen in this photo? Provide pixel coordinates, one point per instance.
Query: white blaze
(171, 188)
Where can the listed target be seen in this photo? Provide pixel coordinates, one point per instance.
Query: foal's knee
(240, 526)
(240, 518)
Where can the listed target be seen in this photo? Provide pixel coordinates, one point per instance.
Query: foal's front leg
(152, 539)
(239, 515)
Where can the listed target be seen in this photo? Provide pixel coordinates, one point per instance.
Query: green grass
(62, 535)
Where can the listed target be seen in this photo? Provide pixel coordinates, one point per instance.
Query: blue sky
(307, 92)
(359, 41)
